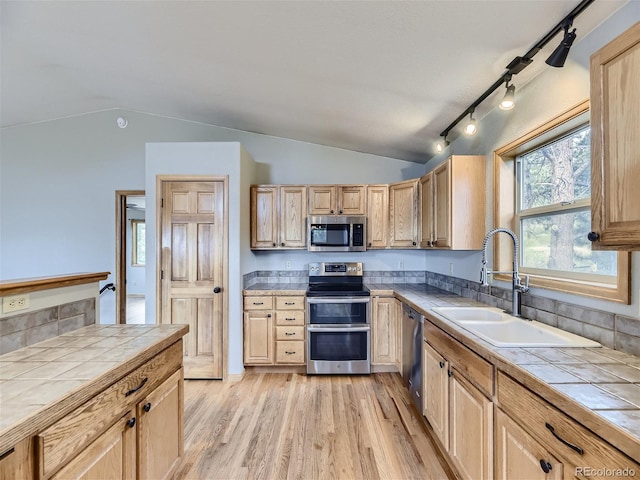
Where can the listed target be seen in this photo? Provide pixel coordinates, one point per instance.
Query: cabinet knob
(340, 211)
(450, 373)
(593, 236)
(282, 244)
(330, 211)
(273, 244)
(369, 244)
(545, 466)
(131, 422)
(441, 364)
(216, 290)
(146, 407)
(268, 315)
(414, 243)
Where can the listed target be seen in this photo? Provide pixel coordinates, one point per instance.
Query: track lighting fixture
(559, 55)
(442, 144)
(471, 128)
(508, 101)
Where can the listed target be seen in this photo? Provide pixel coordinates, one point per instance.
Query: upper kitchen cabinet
(337, 199)
(278, 216)
(453, 204)
(615, 143)
(404, 203)
(377, 216)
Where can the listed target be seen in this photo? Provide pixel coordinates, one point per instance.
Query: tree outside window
(138, 244)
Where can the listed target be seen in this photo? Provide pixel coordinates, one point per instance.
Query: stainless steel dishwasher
(412, 324)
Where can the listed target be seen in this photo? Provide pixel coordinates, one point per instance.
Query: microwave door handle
(338, 329)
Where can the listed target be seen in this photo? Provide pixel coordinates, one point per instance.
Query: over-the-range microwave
(337, 233)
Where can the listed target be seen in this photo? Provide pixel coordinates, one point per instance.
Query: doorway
(130, 256)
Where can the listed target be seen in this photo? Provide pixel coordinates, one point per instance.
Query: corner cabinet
(615, 143)
(453, 204)
(278, 217)
(404, 204)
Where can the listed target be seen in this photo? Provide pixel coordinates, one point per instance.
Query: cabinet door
(518, 455)
(352, 200)
(18, 462)
(470, 429)
(112, 455)
(442, 205)
(426, 211)
(293, 216)
(615, 143)
(403, 214)
(377, 216)
(258, 338)
(322, 200)
(435, 392)
(161, 429)
(383, 331)
(264, 216)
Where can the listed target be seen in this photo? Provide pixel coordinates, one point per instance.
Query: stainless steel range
(338, 319)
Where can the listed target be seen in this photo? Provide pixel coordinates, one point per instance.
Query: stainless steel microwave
(337, 233)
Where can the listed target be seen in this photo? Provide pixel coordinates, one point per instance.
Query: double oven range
(338, 319)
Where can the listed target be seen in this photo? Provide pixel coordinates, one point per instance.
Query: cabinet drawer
(290, 352)
(289, 333)
(290, 318)
(472, 365)
(290, 303)
(258, 303)
(64, 439)
(535, 415)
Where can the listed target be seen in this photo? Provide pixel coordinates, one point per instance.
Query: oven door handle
(338, 300)
(338, 329)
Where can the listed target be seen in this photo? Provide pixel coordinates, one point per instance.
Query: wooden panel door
(377, 216)
(384, 331)
(264, 216)
(322, 200)
(426, 211)
(442, 205)
(435, 392)
(403, 217)
(258, 338)
(293, 216)
(192, 277)
(352, 200)
(112, 455)
(615, 143)
(161, 429)
(518, 455)
(470, 429)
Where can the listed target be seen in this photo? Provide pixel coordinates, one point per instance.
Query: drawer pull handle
(290, 319)
(570, 445)
(290, 353)
(134, 390)
(545, 466)
(131, 422)
(147, 407)
(441, 364)
(258, 303)
(7, 453)
(289, 334)
(289, 303)
(450, 373)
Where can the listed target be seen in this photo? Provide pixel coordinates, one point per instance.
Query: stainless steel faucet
(517, 287)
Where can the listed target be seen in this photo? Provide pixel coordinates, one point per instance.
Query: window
(543, 193)
(138, 243)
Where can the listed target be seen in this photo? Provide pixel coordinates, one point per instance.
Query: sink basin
(503, 330)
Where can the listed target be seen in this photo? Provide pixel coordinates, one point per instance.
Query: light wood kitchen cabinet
(615, 143)
(384, 331)
(274, 330)
(435, 381)
(337, 199)
(377, 216)
(404, 205)
(518, 455)
(19, 461)
(453, 204)
(278, 217)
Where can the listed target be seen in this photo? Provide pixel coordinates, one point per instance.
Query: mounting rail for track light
(520, 63)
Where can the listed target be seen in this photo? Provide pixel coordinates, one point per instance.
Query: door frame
(160, 180)
(121, 252)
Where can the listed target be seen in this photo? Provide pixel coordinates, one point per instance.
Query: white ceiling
(380, 77)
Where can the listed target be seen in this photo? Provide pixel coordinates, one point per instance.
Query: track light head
(471, 128)
(559, 55)
(509, 100)
(442, 144)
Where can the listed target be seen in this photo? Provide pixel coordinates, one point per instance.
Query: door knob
(216, 290)
(593, 236)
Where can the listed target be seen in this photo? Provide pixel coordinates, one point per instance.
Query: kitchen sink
(503, 330)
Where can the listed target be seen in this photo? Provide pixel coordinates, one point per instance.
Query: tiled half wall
(22, 330)
(611, 330)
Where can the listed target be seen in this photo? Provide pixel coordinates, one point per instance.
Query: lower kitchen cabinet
(258, 338)
(18, 462)
(385, 336)
(518, 455)
(435, 371)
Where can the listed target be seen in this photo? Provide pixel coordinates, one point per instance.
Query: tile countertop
(41, 383)
(277, 289)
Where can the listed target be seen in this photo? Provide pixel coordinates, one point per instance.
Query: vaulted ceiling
(383, 77)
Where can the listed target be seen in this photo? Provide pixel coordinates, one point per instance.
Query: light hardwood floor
(286, 425)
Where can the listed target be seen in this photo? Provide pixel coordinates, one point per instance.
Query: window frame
(135, 225)
(505, 213)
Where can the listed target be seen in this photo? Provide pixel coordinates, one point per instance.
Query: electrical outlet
(288, 265)
(15, 303)
(451, 269)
